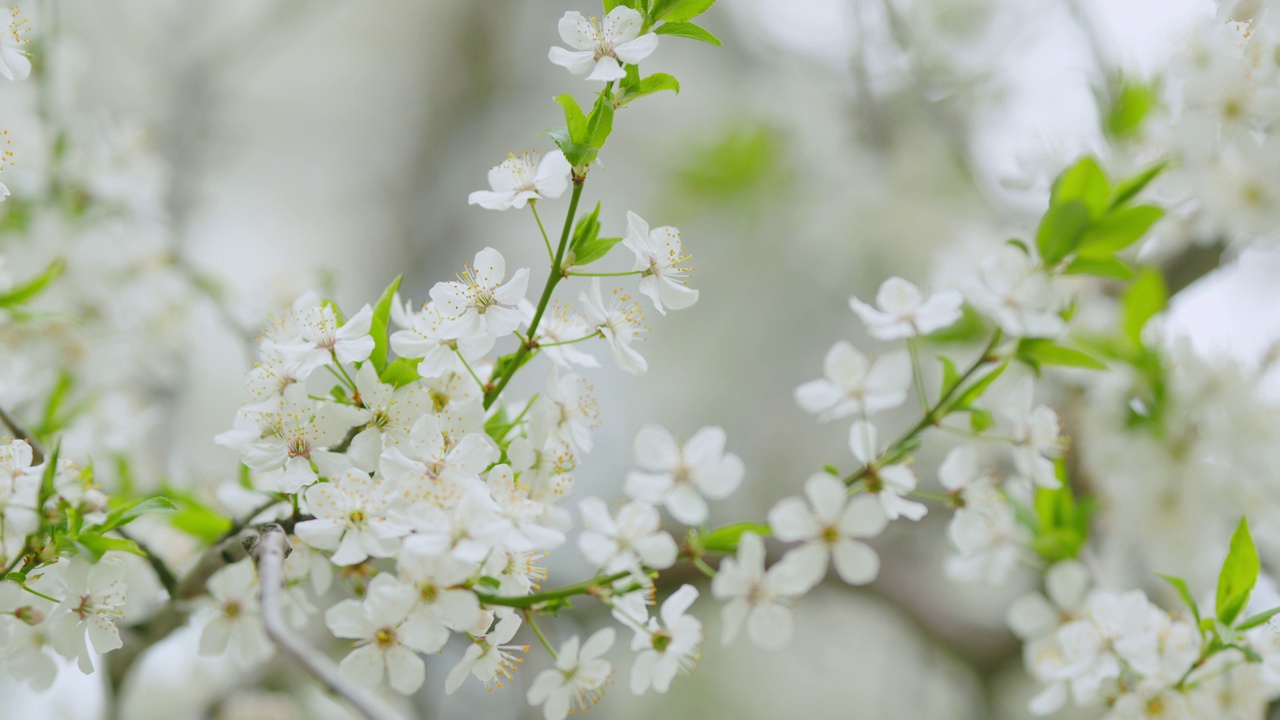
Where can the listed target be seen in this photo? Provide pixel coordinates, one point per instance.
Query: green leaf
(381, 315)
(1145, 297)
(1131, 106)
(28, 290)
(950, 376)
(725, 539)
(1239, 573)
(1061, 230)
(969, 328)
(1130, 187)
(609, 5)
(497, 425)
(980, 420)
(129, 512)
(1184, 592)
(679, 10)
(490, 582)
(1254, 621)
(688, 30)
(1084, 182)
(400, 372)
(1118, 230)
(600, 124)
(969, 396)
(1062, 523)
(574, 118)
(1037, 352)
(95, 545)
(1110, 267)
(652, 84)
(504, 364)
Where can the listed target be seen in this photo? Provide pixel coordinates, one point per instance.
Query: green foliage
(1039, 352)
(26, 291)
(1238, 576)
(1062, 524)
(400, 372)
(584, 135)
(1184, 592)
(1112, 268)
(689, 30)
(378, 329)
(586, 246)
(195, 518)
(130, 511)
(1254, 621)
(1132, 105)
(964, 400)
(1090, 220)
(968, 329)
(1145, 297)
(741, 159)
(673, 11)
(633, 86)
(725, 539)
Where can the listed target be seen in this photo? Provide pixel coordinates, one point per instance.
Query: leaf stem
(551, 254)
(527, 601)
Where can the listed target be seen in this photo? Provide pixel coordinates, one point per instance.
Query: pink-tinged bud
(29, 615)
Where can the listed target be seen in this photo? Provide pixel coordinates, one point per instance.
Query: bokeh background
(279, 146)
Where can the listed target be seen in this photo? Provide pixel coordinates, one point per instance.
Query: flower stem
(570, 342)
(556, 275)
(551, 254)
(612, 274)
(914, 348)
(528, 618)
(527, 601)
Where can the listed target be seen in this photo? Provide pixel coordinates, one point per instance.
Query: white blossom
(603, 49)
(1014, 290)
(889, 483)
(659, 254)
(683, 477)
(829, 525)
(758, 598)
(577, 681)
(15, 63)
(479, 303)
(93, 601)
(237, 622)
(490, 657)
(903, 312)
(619, 323)
(523, 178)
(351, 518)
(852, 384)
(667, 648)
(630, 542)
(321, 341)
(383, 646)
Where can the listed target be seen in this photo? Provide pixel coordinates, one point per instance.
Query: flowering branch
(269, 549)
(19, 432)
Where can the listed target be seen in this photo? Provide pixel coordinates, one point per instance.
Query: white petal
(856, 563)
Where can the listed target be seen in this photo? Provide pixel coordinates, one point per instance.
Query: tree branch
(21, 433)
(269, 549)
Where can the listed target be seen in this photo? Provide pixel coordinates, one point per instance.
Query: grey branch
(269, 549)
(20, 433)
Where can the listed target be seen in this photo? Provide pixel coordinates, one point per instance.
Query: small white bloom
(903, 312)
(93, 600)
(853, 384)
(489, 657)
(634, 541)
(561, 323)
(442, 605)
(679, 477)
(828, 525)
(1033, 616)
(619, 323)
(388, 414)
(238, 623)
(889, 483)
(761, 599)
(1014, 291)
(602, 50)
(425, 338)
(479, 303)
(322, 341)
(668, 648)
(659, 254)
(294, 437)
(432, 464)
(578, 679)
(568, 409)
(523, 178)
(25, 636)
(520, 523)
(1034, 429)
(383, 648)
(351, 518)
(14, 61)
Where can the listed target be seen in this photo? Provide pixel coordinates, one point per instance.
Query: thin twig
(162, 571)
(269, 549)
(19, 432)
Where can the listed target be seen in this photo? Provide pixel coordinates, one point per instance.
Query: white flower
(92, 601)
(679, 476)
(523, 178)
(295, 438)
(619, 323)
(1033, 616)
(658, 255)
(19, 494)
(903, 312)
(1014, 291)
(758, 598)
(668, 648)
(14, 63)
(425, 338)
(388, 414)
(602, 50)
(852, 384)
(322, 341)
(568, 409)
(1034, 430)
(489, 656)
(442, 604)
(828, 525)
(578, 679)
(520, 523)
(25, 636)
(634, 540)
(384, 647)
(432, 464)
(889, 483)
(351, 518)
(478, 303)
(561, 323)
(987, 535)
(234, 592)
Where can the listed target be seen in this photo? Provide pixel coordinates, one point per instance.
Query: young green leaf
(1254, 621)
(1110, 267)
(28, 290)
(95, 545)
(574, 118)
(1145, 297)
(1238, 576)
(1046, 352)
(1130, 187)
(679, 10)
(1061, 230)
(688, 30)
(1118, 230)
(381, 315)
(129, 512)
(1084, 182)
(600, 124)
(400, 372)
(1184, 592)
(725, 539)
